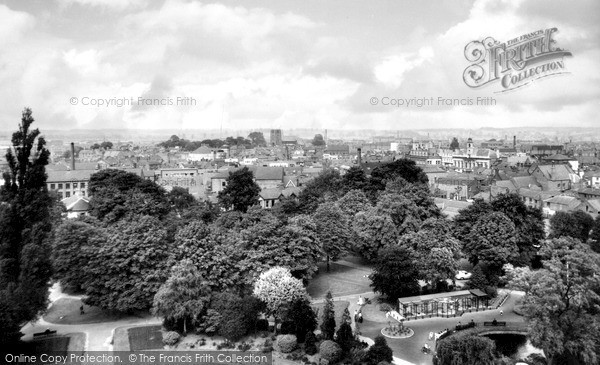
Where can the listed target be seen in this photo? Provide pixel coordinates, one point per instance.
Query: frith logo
(515, 63)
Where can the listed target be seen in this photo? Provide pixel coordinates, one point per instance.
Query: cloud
(118, 5)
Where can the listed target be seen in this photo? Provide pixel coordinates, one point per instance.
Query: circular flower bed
(397, 332)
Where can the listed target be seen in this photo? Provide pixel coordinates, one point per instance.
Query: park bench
(496, 323)
(45, 333)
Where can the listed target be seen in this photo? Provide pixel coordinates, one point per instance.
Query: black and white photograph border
(300, 182)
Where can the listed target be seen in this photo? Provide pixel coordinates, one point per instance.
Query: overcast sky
(288, 64)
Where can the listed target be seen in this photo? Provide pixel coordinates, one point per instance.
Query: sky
(173, 64)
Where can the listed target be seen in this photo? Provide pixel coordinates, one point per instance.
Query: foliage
(345, 337)
(315, 192)
(171, 338)
(395, 273)
(380, 351)
(404, 168)
(492, 240)
(241, 191)
(234, 316)
(454, 145)
(310, 343)
(354, 179)
(258, 139)
(562, 301)
(184, 296)
(27, 213)
(328, 318)
(302, 318)
(575, 224)
(278, 289)
(466, 350)
(74, 243)
(128, 268)
(318, 140)
(332, 228)
(117, 194)
(372, 233)
(478, 279)
(330, 351)
(353, 202)
(287, 343)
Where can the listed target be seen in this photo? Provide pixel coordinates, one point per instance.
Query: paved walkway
(98, 335)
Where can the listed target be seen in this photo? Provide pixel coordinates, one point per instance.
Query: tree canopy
(241, 191)
(27, 213)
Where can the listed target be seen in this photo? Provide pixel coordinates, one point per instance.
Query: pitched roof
(270, 194)
(555, 172)
(268, 173)
(76, 203)
(66, 176)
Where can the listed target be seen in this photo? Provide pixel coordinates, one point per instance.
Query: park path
(98, 335)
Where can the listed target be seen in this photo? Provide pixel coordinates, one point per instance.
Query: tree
(128, 268)
(562, 302)
(234, 316)
(258, 139)
(395, 273)
(333, 231)
(107, 145)
(380, 351)
(454, 144)
(492, 240)
(436, 251)
(372, 233)
(183, 297)
(353, 202)
(529, 224)
(355, 179)
(466, 218)
(74, 244)
(466, 350)
(575, 224)
(328, 318)
(241, 191)
(278, 289)
(594, 239)
(318, 140)
(327, 183)
(345, 337)
(302, 317)
(117, 194)
(179, 198)
(404, 168)
(27, 214)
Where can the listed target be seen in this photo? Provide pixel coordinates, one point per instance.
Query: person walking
(81, 311)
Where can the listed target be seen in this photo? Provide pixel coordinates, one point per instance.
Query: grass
(47, 344)
(145, 338)
(340, 280)
(66, 311)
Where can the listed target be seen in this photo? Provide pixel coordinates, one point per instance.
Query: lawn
(340, 280)
(145, 338)
(66, 311)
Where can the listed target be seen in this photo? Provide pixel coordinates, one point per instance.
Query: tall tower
(470, 147)
(276, 137)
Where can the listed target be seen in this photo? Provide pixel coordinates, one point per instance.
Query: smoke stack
(514, 141)
(359, 158)
(72, 156)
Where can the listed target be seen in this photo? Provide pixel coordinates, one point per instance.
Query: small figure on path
(501, 312)
(355, 315)
(360, 319)
(81, 311)
(430, 336)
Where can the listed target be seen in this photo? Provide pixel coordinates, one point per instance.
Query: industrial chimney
(359, 157)
(515, 142)
(72, 156)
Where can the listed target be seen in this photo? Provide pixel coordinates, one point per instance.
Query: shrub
(287, 327)
(232, 330)
(262, 325)
(384, 307)
(310, 343)
(287, 343)
(244, 346)
(171, 338)
(330, 351)
(491, 291)
(358, 356)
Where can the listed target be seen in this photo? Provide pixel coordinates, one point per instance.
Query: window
(83, 185)
(59, 186)
(52, 186)
(67, 194)
(75, 185)
(67, 185)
